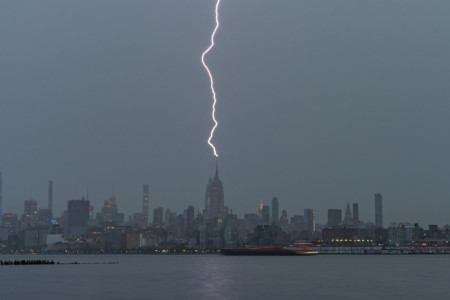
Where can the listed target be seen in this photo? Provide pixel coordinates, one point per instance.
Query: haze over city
(320, 103)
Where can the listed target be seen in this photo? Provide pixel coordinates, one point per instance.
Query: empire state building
(214, 199)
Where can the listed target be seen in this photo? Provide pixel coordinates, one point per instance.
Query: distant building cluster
(79, 228)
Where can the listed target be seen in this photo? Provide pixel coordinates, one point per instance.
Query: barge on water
(271, 251)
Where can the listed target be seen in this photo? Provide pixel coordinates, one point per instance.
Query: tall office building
(158, 217)
(78, 216)
(378, 210)
(266, 215)
(334, 217)
(284, 221)
(214, 198)
(109, 208)
(260, 209)
(189, 216)
(310, 219)
(348, 219)
(110, 212)
(169, 217)
(145, 202)
(50, 198)
(275, 210)
(355, 214)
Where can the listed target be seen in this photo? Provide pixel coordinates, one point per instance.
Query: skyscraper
(214, 198)
(334, 217)
(378, 210)
(189, 216)
(310, 219)
(110, 212)
(158, 217)
(355, 214)
(50, 198)
(260, 209)
(284, 221)
(145, 202)
(78, 214)
(348, 219)
(275, 210)
(169, 218)
(266, 214)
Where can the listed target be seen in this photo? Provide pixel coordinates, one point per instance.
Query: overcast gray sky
(320, 103)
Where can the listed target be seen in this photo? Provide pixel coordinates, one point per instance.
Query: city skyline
(215, 228)
(215, 195)
(357, 104)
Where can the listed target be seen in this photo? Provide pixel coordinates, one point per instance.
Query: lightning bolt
(213, 115)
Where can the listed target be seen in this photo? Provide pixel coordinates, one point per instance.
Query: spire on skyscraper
(217, 169)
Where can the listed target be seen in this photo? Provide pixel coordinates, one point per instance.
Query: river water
(222, 277)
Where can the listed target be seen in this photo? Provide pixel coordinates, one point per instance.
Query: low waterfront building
(400, 235)
(332, 234)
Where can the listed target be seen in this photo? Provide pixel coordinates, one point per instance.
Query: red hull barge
(268, 251)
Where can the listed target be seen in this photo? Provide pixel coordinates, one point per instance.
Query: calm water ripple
(221, 277)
